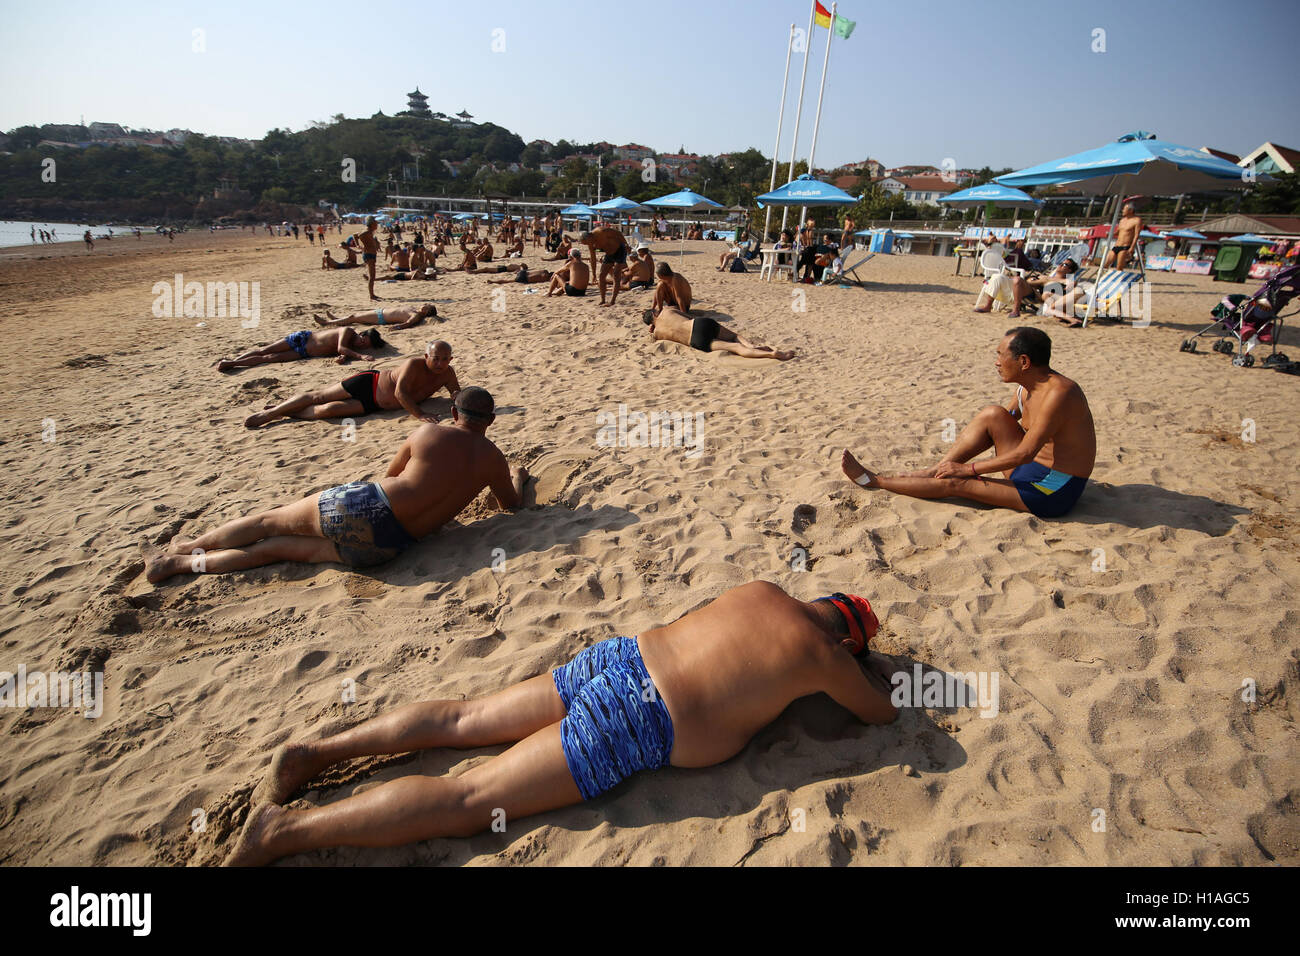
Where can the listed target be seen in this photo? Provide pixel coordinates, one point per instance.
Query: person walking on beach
(369, 254)
(33, 234)
(1043, 441)
(90, 243)
(705, 335)
(372, 391)
(437, 472)
(322, 343)
(690, 694)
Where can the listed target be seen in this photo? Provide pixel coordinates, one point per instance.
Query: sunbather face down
(689, 694)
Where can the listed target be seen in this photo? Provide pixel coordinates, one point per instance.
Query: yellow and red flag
(843, 26)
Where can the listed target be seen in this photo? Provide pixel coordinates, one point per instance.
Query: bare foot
(318, 320)
(181, 546)
(784, 356)
(251, 850)
(855, 470)
(982, 311)
(224, 364)
(291, 767)
(158, 565)
(257, 420)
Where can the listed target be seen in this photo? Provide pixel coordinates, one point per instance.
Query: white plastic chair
(776, 261)
(992, 261)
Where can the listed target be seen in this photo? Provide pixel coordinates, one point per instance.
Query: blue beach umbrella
(617, 205)
(806, 191)
(994, 193)
(1250, 239)
(1137, 162)
(684, 200)
(1185, 234)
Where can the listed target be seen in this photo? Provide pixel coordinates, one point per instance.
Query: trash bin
(1232, 264)
(883, 241)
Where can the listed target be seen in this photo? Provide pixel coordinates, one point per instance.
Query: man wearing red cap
(690, 694)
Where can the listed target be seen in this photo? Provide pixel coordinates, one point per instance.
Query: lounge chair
(850, 273)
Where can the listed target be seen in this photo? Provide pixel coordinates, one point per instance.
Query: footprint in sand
(804, 515)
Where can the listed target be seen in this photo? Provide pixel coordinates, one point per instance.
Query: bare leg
(749, 351)
(334, 395)
(300, 548)
(370, 280)
(531, 777)
(504, 717)
(260, 356)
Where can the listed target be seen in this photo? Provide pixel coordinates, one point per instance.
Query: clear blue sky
(917, 82)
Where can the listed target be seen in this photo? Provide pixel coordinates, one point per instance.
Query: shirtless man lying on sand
(691, 694)
(300, 345)
(437, 472)
(1043, 441)
(706, 335)
(402, 318)
(404, 387)
(523, 276)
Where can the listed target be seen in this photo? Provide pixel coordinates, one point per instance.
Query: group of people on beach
(689, 694)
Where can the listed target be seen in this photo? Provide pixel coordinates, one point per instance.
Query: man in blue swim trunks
(438, 471)
(400, 318)
(342, 342)
(691, 694)
(1043, 441)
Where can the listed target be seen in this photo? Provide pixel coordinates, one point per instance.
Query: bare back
(444, 469)
(729, 669)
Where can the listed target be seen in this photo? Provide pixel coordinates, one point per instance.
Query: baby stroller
(1242, 322)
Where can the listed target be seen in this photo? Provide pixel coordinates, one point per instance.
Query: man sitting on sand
(705, 335)
(673, 289)
(300, 345)
(614, 246)
(406, 387)
(1043, 441)
(562, 250)
(1128, 233)
(437, 472)
(640, 272)
(571, 279)
(484, 251)
(691, 694)
(402, 318)
(516, 249)
(523, 276)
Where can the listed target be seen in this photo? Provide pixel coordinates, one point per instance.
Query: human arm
(861, 690)
(400, 459)
(1049, 415)
(507, 484)
(407, 397)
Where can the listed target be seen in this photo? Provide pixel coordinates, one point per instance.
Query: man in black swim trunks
(572, 279)
(369, 253)
(640, 273)
(611, 242)
(411, 383)
(705, 335)
(437, 472)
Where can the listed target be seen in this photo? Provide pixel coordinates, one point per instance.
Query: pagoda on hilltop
(417, 104)
(463, 118)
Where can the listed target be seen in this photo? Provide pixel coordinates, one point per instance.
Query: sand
(1120, 684)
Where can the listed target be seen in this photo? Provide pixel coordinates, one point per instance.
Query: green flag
(843, 27)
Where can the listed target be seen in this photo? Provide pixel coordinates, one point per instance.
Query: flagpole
(798, 113)
(780, 118)
(830, 35)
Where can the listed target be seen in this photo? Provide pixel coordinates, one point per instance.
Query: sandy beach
(1122, 634)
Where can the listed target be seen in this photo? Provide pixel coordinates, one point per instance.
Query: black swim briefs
(703, 331)
(570, 290)
(616, 258)
(362, 387)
